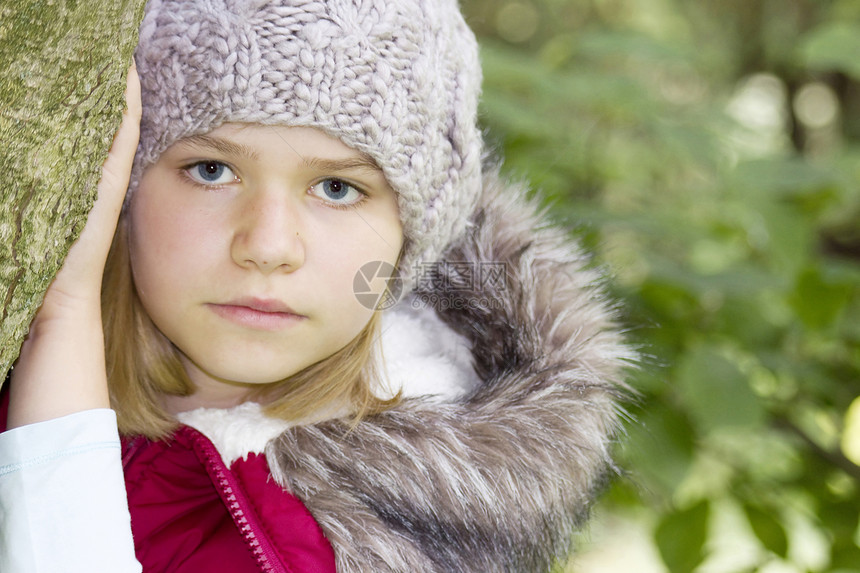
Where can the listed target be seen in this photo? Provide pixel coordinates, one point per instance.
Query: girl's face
(244, 246)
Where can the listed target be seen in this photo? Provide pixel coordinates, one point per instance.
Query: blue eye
(211, 173)
(337, 191)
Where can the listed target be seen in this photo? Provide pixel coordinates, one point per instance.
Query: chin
(255, 378)
(253, 372)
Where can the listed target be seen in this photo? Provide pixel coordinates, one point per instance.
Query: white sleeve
(63, 505)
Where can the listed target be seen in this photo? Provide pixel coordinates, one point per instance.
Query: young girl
(275, 413)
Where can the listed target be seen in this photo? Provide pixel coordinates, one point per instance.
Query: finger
(117, 166)
(82, 269)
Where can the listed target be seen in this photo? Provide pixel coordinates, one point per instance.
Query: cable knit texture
(398, 81)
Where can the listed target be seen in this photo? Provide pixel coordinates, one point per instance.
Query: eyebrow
(360, 161)
(224, 146)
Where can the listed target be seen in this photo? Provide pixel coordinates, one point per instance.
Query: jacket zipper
(264, 554)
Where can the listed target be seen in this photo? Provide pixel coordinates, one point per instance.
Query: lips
(258, 313)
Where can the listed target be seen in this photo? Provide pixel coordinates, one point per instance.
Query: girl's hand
(61, 369)
(78, 284)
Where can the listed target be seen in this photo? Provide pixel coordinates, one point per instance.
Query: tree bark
(62, 78)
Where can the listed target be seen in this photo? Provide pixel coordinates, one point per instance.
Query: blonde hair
(143, 365)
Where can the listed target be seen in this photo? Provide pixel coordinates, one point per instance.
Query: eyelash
(185, 173)
(363, 196)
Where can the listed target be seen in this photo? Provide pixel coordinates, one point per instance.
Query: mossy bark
(63, 65)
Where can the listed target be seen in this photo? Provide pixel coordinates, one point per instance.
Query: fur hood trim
(498, 479)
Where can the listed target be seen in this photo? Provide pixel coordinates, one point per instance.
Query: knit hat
(396, 79)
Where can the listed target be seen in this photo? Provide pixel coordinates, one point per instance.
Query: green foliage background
(709, 151)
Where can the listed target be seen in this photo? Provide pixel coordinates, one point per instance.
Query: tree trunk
(63, 65)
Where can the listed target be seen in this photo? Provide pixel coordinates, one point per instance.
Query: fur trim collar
(495, 477)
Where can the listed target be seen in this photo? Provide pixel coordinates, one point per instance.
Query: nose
(267, 234)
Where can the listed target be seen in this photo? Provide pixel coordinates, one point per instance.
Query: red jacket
(191, 513)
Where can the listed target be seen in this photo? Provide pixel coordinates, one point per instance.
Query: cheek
(355, 282)
(167, 246)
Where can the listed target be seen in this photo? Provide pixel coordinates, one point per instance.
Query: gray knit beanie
(396, 79)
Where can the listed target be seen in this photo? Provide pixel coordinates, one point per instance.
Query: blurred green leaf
(819, 300)
(768, 529)
(845, 559)
(786, 176)
(628, 45)
(716, 393)
(833, 46)
(681, 537)
(663, 446)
